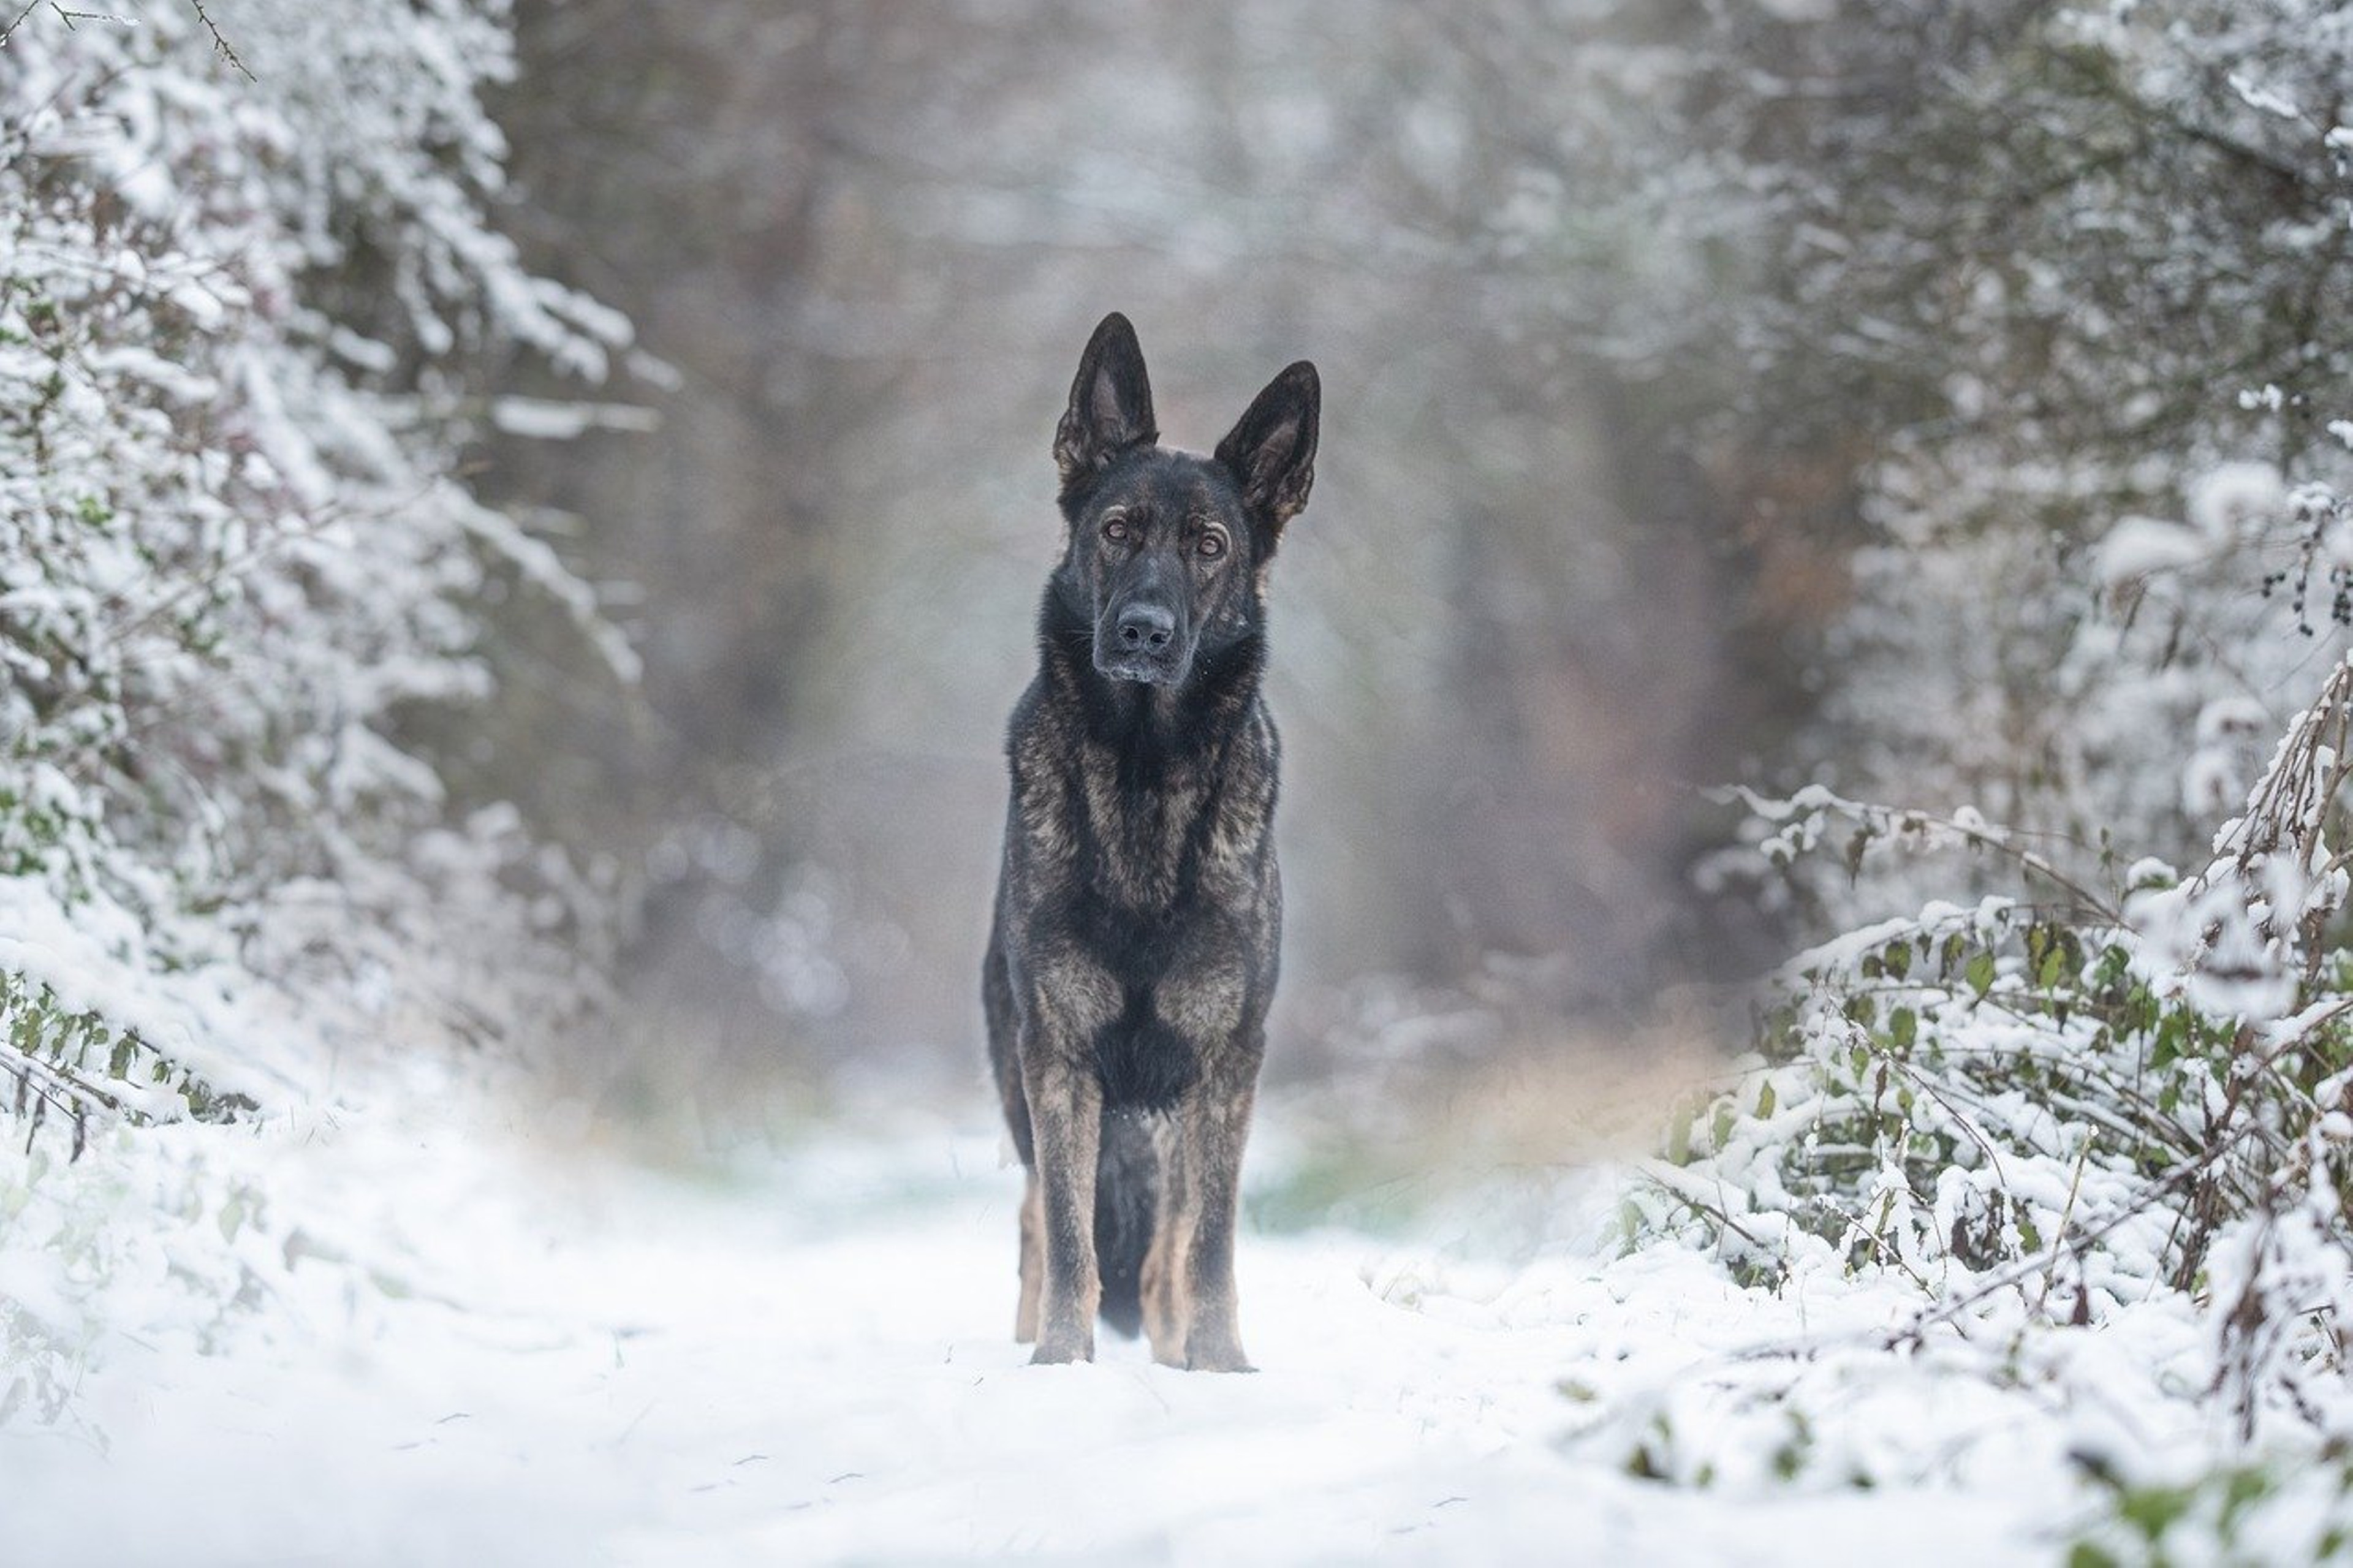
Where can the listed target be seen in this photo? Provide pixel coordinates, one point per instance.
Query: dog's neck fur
(1155, 731)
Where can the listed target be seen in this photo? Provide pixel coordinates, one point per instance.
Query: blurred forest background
(1928, 403)
(1697, 374)
(870, 243)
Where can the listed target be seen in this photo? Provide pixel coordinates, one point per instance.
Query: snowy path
(580, 1364)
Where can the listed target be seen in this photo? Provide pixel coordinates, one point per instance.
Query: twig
(2067, 1216)
(70, 17)
(2025, 1268)
(1890, 822)
(221, 45)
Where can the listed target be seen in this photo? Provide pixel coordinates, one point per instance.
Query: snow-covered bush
(2237, 1513)
(2073, 1103)
(2048, 290)
(242, 275)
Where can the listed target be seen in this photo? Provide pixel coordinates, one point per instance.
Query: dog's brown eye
(1212, 546)
(1117, 532)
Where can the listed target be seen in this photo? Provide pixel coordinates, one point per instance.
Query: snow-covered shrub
(242, 276)
(236, 551)
(2071, 1103)
(2237, 1513)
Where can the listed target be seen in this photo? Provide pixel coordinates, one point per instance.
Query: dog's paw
(1058, 1350)
(1215, 1356)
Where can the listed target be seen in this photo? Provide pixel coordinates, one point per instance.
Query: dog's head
(1167, 551)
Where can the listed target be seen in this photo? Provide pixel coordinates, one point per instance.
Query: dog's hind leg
(1033, 1261)
(1128, 1180)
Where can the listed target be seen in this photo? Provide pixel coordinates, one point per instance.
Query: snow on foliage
(2053, 283)
(240, 278)
(2067, 1113)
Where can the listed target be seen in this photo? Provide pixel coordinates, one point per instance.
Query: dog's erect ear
(1110, 404)
(1272, 453)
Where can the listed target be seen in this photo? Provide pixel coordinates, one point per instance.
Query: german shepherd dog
(1133, 951)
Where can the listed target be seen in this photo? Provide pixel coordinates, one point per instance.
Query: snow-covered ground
(475, 1341)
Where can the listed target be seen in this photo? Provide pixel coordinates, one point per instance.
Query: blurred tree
(872, 247)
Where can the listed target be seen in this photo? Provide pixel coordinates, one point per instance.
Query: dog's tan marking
(1033, 1261)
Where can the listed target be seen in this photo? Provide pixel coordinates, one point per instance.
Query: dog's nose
(1145, 628)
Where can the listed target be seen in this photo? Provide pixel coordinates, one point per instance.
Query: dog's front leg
(1033, 1262)
(1066, 1120)
(1216, 1121)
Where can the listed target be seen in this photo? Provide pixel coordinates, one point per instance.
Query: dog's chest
(1145, 829)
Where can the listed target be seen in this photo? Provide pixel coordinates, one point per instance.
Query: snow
(2264, 101)
(2236, 499)
(483, 1340)
(2137, 546)
(545, 419)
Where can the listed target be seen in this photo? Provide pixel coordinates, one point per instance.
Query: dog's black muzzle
(1140, 640)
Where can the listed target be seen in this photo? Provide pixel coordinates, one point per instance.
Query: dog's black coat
(1134, 948)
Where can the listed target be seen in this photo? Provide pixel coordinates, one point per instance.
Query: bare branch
(221, 45)
(16, 21)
